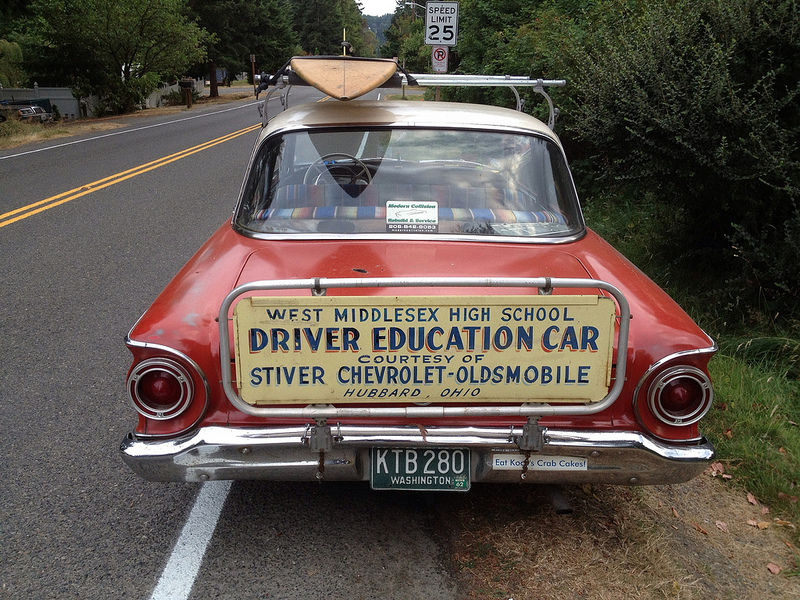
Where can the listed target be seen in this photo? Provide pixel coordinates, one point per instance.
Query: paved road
(91, 229)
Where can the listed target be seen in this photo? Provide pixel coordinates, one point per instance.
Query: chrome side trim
(332, 412)
(541, 240)
(284, 454)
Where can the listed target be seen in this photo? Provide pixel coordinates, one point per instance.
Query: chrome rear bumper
(288, 454)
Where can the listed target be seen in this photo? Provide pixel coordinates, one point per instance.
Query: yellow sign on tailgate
(372, 349)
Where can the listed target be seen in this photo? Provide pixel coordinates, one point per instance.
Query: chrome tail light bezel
(174, 368)
(670, 375)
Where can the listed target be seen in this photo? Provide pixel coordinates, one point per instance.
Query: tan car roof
(400, 113)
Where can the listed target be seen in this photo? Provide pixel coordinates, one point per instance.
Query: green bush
(696, 101)
(11, 127)
(118, 96)
(177, 97)
(691, 104)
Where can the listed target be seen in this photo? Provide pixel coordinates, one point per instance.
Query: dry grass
(519, 548)
(14, 134)
(619, 544)
(19, 134)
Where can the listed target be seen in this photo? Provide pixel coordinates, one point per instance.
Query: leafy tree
(378, 26)
(405, 39)
(244, 27)
(11, 74)
(492, 41)
(370, 40)
(321, 26)
(117, 49)
(11, 11)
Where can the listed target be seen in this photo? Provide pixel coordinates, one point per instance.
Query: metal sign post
(253, 67)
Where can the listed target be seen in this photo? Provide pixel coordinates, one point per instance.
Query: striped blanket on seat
(354, 202)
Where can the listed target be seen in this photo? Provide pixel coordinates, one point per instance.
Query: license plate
(442, 469)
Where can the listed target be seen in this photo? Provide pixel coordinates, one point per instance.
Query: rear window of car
(410, 180)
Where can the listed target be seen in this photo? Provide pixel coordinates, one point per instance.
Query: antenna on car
(347, 47)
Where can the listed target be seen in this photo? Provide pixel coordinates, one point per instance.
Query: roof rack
(348, 77)
(538, 85)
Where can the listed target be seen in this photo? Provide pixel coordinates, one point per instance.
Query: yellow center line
(59, 199)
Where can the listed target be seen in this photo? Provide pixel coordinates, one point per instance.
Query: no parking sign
(439, 56)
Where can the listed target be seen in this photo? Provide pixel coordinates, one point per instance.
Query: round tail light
(680, 395)
(160, 388)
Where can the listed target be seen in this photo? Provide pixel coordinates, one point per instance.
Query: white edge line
(184, 563)
(124, 131)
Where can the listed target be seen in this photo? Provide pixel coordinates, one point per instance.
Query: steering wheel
(350, 173)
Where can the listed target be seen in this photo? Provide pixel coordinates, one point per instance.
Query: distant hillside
(379, 25)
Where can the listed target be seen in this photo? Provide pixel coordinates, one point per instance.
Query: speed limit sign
(439, 55)
(441, 23)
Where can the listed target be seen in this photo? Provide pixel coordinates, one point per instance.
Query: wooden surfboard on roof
(343, 77)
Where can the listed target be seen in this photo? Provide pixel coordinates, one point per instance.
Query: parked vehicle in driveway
(30, 113)
(407, 294)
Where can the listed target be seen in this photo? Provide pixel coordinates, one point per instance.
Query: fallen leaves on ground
(700, 529)
(718, 470)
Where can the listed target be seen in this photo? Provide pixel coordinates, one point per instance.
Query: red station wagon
(407, 294)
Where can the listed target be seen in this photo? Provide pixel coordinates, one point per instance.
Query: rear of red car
(418, 304)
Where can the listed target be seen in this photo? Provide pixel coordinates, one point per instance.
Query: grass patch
(15, 133)
(227, 98)
(755, 426)
(409, 97)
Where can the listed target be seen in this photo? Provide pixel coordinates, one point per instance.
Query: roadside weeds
(692, 541)
(15, 133)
